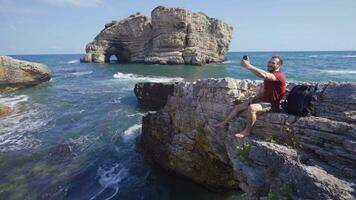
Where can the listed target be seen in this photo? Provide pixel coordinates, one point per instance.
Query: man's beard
(270, 69)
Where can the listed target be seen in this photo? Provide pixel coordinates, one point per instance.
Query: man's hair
(279, 58)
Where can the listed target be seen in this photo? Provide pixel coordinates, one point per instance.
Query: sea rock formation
(15, 74)
(169, 36)
(285, 157)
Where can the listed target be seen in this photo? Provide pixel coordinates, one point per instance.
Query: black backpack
(298, 101)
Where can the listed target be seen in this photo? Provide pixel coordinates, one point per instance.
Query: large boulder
(285, 156)
(15, 74)
(169, 36)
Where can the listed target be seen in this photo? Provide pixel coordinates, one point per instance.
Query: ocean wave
(110, 178)
(118, 100)
(131, 132)
(81, 73)
(19, 127)
(332, 55)
(136, 114)
(228, 62)
(349, 56)
(339, 71)
(321, 56)
(136, 77)
(132, 129)
(12, 101)
(73, 61)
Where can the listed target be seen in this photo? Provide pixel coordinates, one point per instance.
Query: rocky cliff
(15, 74)
(285, 157)
(169, 36)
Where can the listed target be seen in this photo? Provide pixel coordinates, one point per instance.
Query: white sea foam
(339, 71)
(349, 56)
(131, 132)
(332, 55)
(12, 101)
(18, 128)
(117, 100)
(110, 178)
(132, 129)
(73, 61)
(135, 77)
(227, 62)
(81, 73)
(136, 114)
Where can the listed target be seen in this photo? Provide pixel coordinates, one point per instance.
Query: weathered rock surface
(15, 74)
(153, 95)
(286, 156)
(170, 36)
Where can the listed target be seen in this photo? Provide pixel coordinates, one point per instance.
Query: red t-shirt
(273, 91)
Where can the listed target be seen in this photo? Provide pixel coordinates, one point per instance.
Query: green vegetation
(291, 140)
(243, 151)
(288, 139)
(344, 173)
(353, 113)
(288, 188)
(241, 98)
(271, 138)
(331, 82)
(272, 196)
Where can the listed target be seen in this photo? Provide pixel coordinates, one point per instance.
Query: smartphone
(245, 58)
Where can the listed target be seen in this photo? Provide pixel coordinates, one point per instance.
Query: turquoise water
(91, 109)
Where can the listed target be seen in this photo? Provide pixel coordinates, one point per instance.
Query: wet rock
(169, 36)
(61, 151)
(285, 156)
(15, 74)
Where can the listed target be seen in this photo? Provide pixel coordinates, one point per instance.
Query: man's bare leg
(233, 113)
(252, 110)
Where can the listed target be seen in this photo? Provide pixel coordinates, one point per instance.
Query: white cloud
(85, 3)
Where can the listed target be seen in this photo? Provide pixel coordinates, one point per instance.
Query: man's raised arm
(259, 72)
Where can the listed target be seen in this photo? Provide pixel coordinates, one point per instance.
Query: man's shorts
(266, 106)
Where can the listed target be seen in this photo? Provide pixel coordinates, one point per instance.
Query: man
(274, 88)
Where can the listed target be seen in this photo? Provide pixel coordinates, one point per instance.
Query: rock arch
(169, 36)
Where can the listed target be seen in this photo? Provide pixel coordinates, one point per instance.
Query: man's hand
(245, 63)
(259, 72)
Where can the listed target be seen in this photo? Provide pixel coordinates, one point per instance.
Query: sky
(66, 26)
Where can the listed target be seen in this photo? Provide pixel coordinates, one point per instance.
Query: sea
(74, 136)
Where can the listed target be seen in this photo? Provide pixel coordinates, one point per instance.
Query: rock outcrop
(170, 36)
(153, 95)
(285, 156)
(15, 74)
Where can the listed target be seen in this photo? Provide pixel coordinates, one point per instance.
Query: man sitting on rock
(274, 88)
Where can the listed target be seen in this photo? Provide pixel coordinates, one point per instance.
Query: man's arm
(258, 72)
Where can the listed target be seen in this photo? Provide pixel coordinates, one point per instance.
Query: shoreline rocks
(15, 74)
(285, 156)
(169, 36)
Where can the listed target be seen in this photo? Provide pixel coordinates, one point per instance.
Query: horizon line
(267, 51)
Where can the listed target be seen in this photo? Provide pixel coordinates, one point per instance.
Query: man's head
(274, 64)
